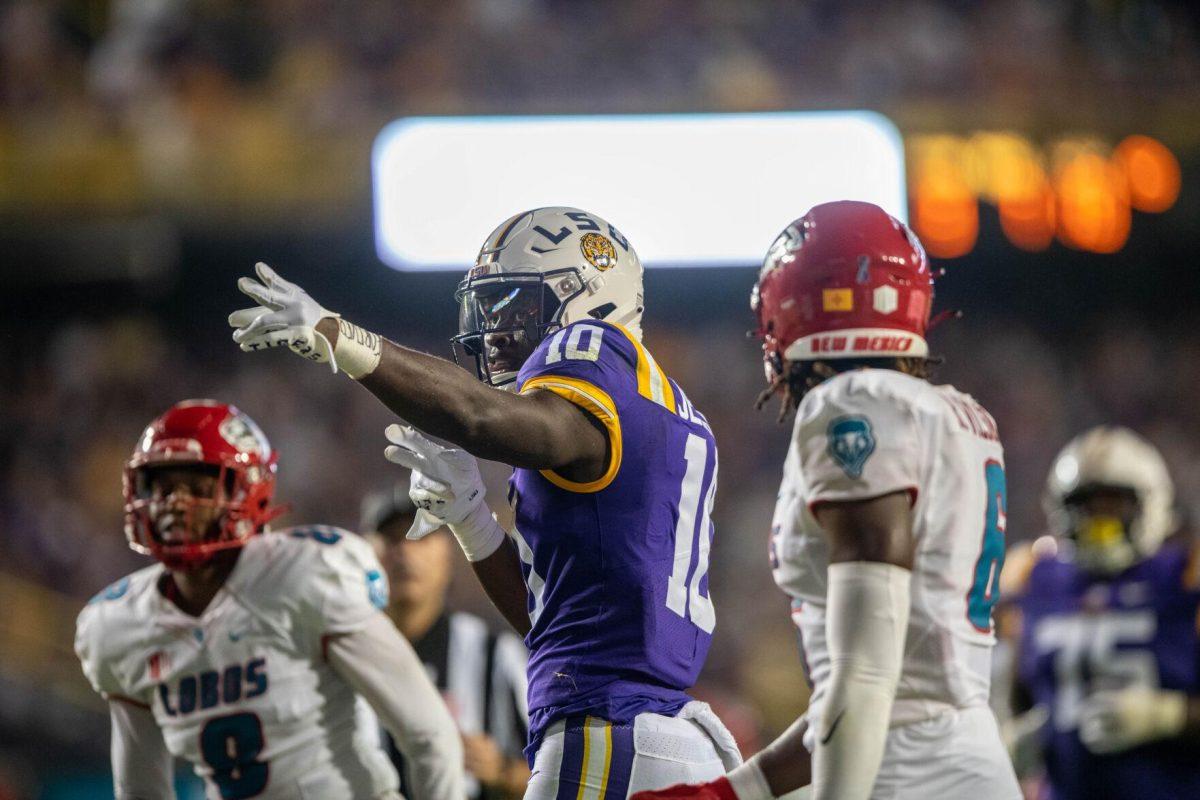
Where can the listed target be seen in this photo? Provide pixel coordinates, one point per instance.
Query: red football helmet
(202, 432)
(846, 280)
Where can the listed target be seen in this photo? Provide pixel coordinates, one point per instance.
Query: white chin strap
(504, 380)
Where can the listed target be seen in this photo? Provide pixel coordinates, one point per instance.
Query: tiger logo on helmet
(599, 251)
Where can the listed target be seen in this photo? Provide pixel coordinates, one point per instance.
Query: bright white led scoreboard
(686, 189)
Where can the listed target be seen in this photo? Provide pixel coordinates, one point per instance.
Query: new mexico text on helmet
(538, 271)
(846, 280)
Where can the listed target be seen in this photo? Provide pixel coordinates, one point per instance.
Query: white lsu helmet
(539, 271)
(1111, 457)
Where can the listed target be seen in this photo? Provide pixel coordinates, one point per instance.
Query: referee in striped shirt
(480, 671)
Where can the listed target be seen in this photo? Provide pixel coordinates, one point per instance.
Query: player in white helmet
(1116, 463)
(544, 270)
(606, 573)
(1108, 659)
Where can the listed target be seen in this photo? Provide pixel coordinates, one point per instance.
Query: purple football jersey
(1083, 633)
(617, 569)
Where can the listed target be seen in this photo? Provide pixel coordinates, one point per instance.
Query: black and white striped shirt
(481, 675)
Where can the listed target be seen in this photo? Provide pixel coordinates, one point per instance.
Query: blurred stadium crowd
(171, 69)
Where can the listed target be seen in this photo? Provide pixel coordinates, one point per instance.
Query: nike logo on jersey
(832, 728)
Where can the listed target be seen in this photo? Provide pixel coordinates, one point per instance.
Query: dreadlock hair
(798, 378)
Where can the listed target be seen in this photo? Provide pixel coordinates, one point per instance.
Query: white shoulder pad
(332, 576)
(107, 629)
(857, 436)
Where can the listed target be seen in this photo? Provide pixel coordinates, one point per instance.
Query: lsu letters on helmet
(1112, 459)
(537, 272)
(846, 280)
(201, 432)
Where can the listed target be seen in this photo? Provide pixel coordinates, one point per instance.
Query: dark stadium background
(133, 194)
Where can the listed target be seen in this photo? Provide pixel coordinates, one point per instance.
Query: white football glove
(285, 315)
(447, 489)
(1115, 721)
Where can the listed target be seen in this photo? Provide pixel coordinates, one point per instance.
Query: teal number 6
(985, 589)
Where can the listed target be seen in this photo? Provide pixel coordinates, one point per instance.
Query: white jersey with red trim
(871, 432)
(243, 692)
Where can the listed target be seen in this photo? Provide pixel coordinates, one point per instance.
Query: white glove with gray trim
(447, 489)
(285, 315)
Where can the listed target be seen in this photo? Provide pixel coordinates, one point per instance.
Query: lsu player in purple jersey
(1109, 654)
(888, 531)
(605, 571)
(250, 653)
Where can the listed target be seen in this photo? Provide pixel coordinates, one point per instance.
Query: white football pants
(588, 758)
(957, 755)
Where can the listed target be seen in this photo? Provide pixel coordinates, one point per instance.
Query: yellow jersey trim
(587, 752)
(591, 785)
(596, 401)
(608, 754)
(652, 381)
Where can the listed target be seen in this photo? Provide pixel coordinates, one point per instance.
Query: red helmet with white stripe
(846, 280)
(184, 531)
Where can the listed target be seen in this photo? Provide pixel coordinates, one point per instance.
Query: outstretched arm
(381, 666)
(539, 430)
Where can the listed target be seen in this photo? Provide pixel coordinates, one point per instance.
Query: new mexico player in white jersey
(256, 656)
(870, 433)
(888, 532)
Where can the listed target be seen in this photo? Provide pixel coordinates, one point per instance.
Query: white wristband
(479, 535)
(749, 782)
(357, 351)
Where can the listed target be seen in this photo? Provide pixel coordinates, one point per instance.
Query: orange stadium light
(1028, 217)
(945, 207)
(1151, 171)
(1093, 203)
(1013, 177)
(1085, 198)
(946, 217)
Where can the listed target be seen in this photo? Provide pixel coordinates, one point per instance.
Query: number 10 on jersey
(693, 531)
